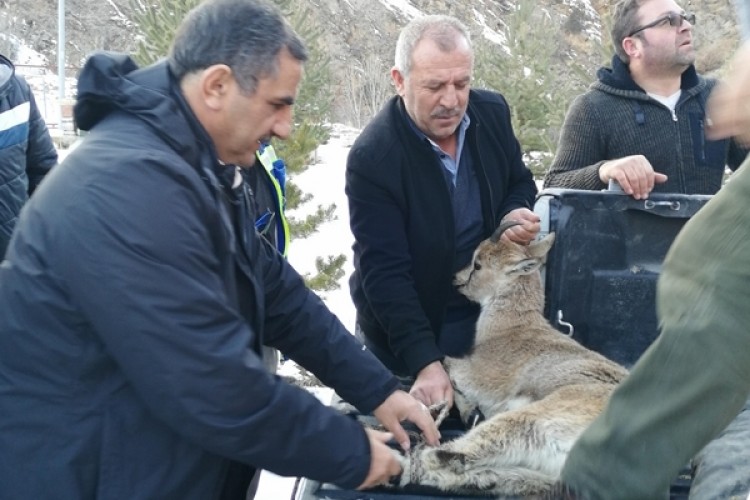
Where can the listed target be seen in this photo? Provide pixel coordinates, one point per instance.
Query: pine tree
(530, 81)
(158, 22)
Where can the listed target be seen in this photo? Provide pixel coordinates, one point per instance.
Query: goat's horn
(504, 226)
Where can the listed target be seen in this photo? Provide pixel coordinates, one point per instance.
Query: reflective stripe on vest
(267, 156)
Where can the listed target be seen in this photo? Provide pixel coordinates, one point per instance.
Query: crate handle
(649, 204)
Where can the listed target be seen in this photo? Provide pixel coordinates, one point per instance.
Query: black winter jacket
(26, 149)
(402, 220)
(132, 307)
(617, 118)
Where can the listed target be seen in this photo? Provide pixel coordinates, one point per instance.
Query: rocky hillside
(356, 30)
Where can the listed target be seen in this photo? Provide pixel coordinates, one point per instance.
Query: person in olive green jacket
(692, 382)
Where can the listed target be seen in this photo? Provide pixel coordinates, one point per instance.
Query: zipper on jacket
(703, 139)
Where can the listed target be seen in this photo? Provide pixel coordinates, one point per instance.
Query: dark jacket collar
(112, 82)
(618, 77)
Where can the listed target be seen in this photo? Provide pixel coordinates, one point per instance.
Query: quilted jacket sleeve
(41, 154)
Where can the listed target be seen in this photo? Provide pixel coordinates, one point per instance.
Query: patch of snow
(403, 7)
(490, 34)
(325, 181)
(28, 56)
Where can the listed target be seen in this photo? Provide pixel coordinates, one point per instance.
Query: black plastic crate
(601, 273)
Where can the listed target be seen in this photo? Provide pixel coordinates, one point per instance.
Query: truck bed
(451, 428)
(600, 286)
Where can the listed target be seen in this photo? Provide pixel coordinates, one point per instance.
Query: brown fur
(537, 388)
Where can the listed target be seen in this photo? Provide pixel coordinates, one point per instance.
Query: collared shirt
(456, 334)
(450, 165)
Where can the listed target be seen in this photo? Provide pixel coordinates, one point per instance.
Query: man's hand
(729, 103)
(400, 406)
(383, 461)
(432, 385)
(634, 173)
(526, 231)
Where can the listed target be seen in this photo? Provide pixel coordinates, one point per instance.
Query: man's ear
(631, 47)
(215, 84)
(398, 81)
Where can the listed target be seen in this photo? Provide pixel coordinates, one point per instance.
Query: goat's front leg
(470, 413)
(467, 407)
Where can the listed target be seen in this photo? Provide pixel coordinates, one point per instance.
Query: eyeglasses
(673, 18)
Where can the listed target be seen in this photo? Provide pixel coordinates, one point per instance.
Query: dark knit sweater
(616, 118)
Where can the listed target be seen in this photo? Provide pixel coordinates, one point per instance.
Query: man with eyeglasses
(695, 378)
(642, 124)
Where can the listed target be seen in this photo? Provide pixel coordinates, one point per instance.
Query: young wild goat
(537, 388)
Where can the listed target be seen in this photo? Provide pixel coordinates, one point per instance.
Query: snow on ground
(325, 181)
(45, 84)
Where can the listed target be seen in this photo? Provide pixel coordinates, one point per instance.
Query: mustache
(445, 113)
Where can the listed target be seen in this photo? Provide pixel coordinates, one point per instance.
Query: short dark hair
(625, 20)
(246, 35)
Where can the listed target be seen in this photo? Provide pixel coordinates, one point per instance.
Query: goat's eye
(477, 266)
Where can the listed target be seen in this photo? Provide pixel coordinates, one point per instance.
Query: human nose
(449, 99)
(282, 127)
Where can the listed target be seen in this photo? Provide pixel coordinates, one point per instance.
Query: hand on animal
(729, 103)
(432, 385)
(400, 406)
(526, 230)
(383, 461)
(634, 173)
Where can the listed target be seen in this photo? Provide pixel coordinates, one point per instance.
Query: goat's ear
(539, 248)
(526, 266)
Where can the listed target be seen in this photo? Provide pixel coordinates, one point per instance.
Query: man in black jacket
(136, 293)
(26, 149)
(428, 179)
